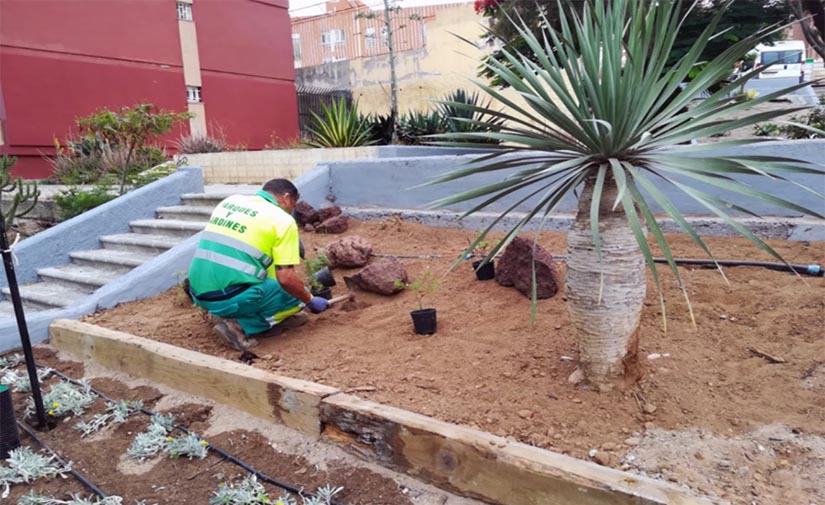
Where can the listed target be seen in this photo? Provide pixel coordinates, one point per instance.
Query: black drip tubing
(809, 270)
(220, 452)
(74, 473)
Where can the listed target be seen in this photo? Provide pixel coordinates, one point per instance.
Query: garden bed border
(456, 458)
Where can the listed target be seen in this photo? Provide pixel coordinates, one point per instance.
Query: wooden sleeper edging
(458, 459)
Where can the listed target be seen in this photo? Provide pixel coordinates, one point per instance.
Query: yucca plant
(604, 121)
(339, 126)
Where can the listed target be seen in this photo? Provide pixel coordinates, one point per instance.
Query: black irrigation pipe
(809, 270)
(220, 452)
(74, 473)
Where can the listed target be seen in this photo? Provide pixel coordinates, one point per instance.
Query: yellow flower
(55, 404)
(51, 412)
(168, 439)
(204, 443)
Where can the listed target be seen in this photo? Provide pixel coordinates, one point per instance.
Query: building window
(332, 38)
(296, 46)
(184, 11)
(369, 38)
(193, 94)
(385, 36)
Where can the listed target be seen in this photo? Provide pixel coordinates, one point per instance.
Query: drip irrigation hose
(217, 450)
(809, 270)
(74, 473)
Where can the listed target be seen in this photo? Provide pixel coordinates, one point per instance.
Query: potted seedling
(319, 277)
(484, 271)
(424, 320)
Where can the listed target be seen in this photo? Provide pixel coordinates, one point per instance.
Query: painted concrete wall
(257, 167)
(391, 182)
(52, 247)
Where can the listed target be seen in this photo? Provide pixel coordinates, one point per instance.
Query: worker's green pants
(258, 308)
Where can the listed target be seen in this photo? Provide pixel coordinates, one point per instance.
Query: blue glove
(317, 304)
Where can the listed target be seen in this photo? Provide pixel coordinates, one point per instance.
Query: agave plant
(415, 126)
(459, 113)
(604, 120)
(339, 126)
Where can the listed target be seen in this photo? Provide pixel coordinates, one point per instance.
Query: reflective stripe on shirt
(232, 263)
(234, 243)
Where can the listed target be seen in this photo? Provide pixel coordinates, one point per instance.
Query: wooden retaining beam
(292, 402)
(458, 459)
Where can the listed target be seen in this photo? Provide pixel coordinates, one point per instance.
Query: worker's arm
(292, 283)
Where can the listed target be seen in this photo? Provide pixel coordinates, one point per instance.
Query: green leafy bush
(380, 126)
(75, 201)
(339, 126)
(460, 112)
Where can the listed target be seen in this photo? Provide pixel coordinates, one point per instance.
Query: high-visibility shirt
(247, 236)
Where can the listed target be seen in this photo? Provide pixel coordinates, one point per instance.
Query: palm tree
(604, 119)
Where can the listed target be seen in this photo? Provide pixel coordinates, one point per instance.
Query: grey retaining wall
(378, 183)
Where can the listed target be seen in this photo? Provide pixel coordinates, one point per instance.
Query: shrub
(380, 127)
(195, 144)
(456, 109)
(21, 192)
(815, 119)
(75, 201)
(339, 126)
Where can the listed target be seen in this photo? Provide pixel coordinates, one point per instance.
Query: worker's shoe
(232, 333)
(292, 322)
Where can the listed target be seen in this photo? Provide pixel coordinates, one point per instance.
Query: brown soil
(102, 459)
(487, 367)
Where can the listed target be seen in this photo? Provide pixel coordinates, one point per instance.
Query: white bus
(787, 57)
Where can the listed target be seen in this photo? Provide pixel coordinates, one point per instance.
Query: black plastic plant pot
(323, 293)
(9, 439)
(424, 321)
(325, 278)
(484, 272)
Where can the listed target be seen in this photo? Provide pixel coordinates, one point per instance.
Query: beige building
(443, 64)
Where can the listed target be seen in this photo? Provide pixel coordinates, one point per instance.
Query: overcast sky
(315, 7)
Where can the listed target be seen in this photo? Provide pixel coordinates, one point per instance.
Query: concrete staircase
(60, 286)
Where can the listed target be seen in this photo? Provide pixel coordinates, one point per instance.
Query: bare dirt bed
(709, 412)
(277, 451)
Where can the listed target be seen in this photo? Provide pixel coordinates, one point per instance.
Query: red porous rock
(337, 224)
(515, 269)
(328, 212)
(381, 277)
(349, 252)
(305, 214)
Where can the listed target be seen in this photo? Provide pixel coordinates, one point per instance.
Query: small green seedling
(425, 285)
(23, 465)
(189, 445)
(116, 413)
(312, 267)
(154, 439)
(64, 398)
(250, 492)
(35, 499)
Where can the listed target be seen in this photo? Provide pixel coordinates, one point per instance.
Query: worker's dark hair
(277, 187)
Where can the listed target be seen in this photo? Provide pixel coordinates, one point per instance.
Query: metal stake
(8, 263)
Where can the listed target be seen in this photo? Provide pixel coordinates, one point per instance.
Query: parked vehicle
(785, 57)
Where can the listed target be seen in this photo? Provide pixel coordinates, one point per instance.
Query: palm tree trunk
(605, 298)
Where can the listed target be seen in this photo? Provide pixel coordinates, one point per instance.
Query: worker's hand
(318, 304)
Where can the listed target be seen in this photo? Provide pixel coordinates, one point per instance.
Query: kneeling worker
(243, 269)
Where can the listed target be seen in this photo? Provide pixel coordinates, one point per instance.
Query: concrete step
(139, 242)
(46, 295)
(80, 277)
(167, 227)
(111, 259)
(6, 308)
(203, 199)
(186, 212)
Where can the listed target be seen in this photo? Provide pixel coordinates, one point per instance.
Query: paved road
(806, 95)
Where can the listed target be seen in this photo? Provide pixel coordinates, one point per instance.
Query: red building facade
(227, 61)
